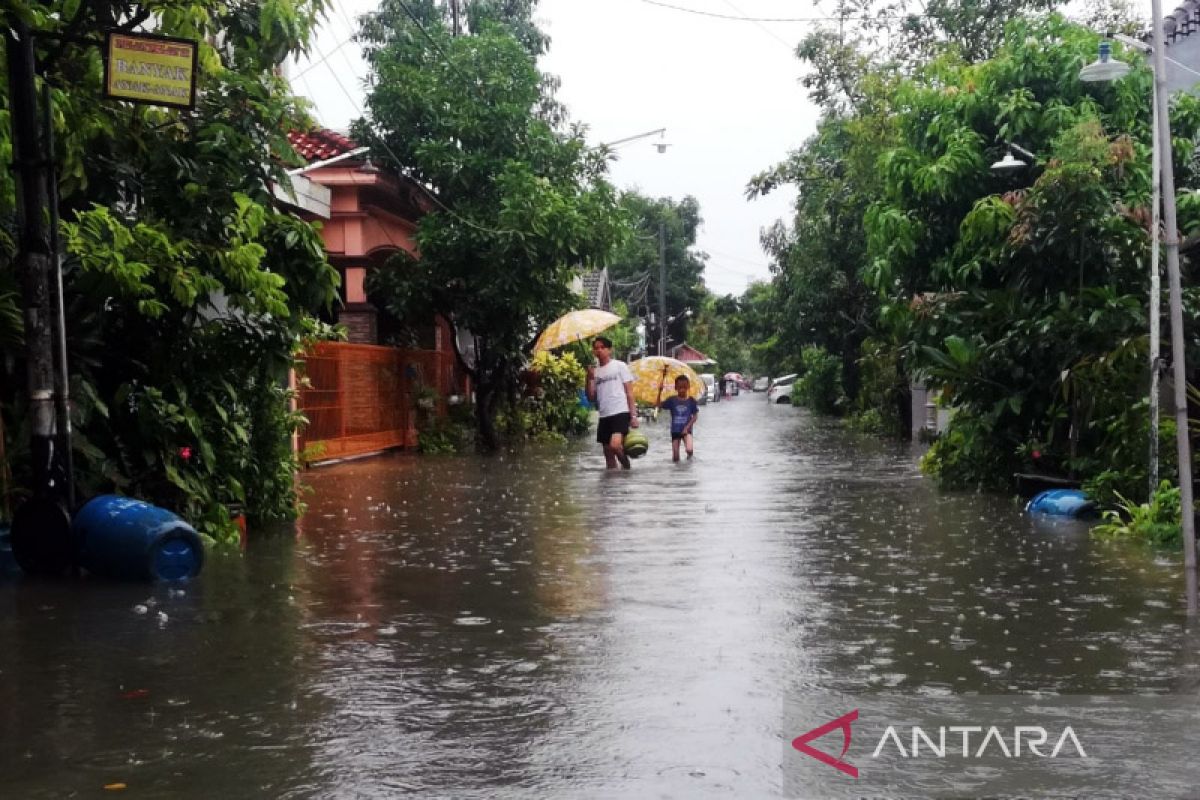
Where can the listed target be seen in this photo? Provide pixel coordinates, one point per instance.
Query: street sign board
(157, 70)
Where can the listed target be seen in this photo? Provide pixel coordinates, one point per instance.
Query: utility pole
(62, 379)
(662, 288)
(454, 17)
(33, 249)
(1155, 303)
(1171, 249)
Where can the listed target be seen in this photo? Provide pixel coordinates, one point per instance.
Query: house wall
(936, 419)
(1185, 50)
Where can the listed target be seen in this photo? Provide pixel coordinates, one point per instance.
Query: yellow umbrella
(575, 326)
(648, 375)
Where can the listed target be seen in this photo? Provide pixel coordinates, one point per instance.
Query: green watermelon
(636, 444)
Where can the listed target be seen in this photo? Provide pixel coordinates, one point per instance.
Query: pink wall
(361, 222)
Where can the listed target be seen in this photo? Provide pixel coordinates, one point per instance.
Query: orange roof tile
(320, 144)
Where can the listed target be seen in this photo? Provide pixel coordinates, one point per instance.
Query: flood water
(532, 626)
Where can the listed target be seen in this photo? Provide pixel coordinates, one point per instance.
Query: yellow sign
(157, 70)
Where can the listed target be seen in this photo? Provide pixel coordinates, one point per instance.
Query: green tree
(821, 294)
(635, 264)
(1026, 301)
(870, 38)
(1024, 295)
(189, 292)
(520, 202)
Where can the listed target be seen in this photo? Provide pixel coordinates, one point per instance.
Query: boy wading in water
(684, 411)
(610, 387)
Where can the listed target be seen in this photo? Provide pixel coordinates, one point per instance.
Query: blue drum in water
(121, 537)
(1069, 503)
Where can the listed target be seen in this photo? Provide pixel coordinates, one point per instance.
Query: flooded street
(534, 626)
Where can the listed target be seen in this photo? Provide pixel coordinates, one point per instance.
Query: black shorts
(617, 423)
(678, 436)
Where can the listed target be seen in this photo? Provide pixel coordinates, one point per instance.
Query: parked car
(710, 386)
(762, 384)
(781, 389)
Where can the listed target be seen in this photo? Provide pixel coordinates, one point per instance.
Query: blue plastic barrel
(125, 538)
(1062, 503)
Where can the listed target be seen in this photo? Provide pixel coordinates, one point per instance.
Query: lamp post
(1106, 69)
(661, 146)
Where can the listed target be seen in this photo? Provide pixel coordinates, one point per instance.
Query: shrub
(554, 411)
(820, 386)
(1157, 522)
(871, 421)
(444, 436)
(965, 456)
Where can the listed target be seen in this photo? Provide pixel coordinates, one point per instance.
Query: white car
(710, 386)
(781, 389)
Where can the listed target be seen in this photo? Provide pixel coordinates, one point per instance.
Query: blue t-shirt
(681, 412)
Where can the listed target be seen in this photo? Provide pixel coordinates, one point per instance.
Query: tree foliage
(520, 202)
(1024, 295)
(189, 292)
(635, 267)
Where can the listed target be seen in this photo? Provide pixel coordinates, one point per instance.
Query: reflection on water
(531, 624)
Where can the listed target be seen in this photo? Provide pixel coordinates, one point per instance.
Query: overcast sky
(727, 92)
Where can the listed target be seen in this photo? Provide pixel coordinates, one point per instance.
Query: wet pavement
(534, 626)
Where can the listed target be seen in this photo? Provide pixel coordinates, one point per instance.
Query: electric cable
(737, 258)
(761, 27)
(314, 64)
(397, 162)
(717, 15)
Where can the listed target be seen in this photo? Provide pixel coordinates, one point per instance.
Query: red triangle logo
(841, 723)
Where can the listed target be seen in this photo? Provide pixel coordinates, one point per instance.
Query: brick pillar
(361, 323)
(359, 316)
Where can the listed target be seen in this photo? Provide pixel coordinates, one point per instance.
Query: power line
(743, 18)
(737, 258)
(313, 65)
(342, 10)
(437, 46)
(732, 271)
(760, 26)
(397, 163)
(738, 18)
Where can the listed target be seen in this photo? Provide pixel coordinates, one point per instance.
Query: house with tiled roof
(359, 396)
(691, 356)
(1182, 31)
(372, 215)
(594, 287)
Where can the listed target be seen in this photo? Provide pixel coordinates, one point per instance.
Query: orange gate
(358, 398)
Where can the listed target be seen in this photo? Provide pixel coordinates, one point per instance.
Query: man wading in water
(610, 387)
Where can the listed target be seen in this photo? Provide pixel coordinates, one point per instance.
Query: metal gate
(358, 398)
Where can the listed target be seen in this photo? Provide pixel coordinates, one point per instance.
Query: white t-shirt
(610, 388)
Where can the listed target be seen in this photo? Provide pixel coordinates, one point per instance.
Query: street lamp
(1162, 149)
(1104, 68)
(1010, 163)
(661, 147)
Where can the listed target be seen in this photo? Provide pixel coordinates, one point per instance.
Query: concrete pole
(1155, 301)
(662, 288)
(33, 251)
(1171, 245)
(62, 378)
